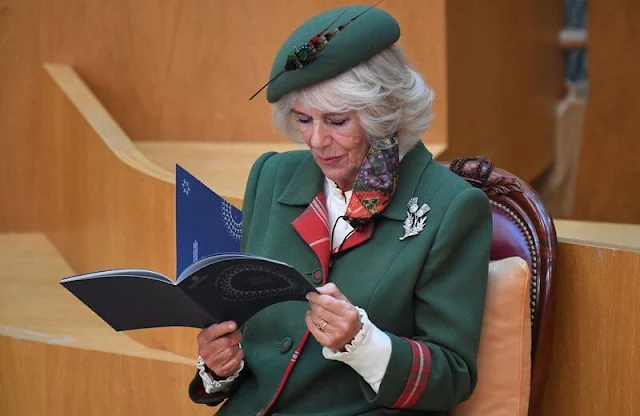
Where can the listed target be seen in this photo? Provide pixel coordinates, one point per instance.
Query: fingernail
(232, 326)
(307, 296)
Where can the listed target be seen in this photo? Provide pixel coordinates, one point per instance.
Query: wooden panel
(188, 68)
(167, 71)
(623, 236)
(92, 193)
(19, 73)
(40, 379)
(609, 172)
(107, 206)
(33, 306)
(504, 76)
(595, 364)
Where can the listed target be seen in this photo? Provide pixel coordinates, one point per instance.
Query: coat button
(317, 276)
(286, 345)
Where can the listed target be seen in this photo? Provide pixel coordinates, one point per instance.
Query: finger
(332, 290)
(322, 313)
(216, 361)
(337, 306)
(331, 337)
(231, 366)
(218, 345)
(216, 331)
(320, 336)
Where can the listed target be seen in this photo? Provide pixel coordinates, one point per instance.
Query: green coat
(429, 288)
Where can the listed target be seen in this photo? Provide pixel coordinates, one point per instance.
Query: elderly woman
(397, 246)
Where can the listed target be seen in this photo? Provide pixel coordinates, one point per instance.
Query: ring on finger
(322, 325)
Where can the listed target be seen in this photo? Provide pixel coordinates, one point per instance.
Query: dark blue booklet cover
(215, 282)
(206, 223)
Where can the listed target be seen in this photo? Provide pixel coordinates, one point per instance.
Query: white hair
(389, 97)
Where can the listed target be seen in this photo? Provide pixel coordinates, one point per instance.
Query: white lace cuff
(368, 354)
(211, 385)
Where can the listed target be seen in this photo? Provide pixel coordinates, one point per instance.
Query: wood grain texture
(107, 206)
(174, 70)
(504, 76)
(19, 127)
(35, 307)
(609, 172)
(614, 235)
(183, 71)
(595, 365)
(53, 380)
(223, 166)
(167, 71)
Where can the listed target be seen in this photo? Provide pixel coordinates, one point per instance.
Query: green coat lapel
(306, 189)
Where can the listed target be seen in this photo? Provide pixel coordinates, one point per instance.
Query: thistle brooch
(307, 52)
(416, 218)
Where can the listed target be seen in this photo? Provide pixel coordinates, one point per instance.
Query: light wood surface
(35, 307)
(504, 77)
(54, 380)
(609, 171)
(614, 235)
(223, 166)
(595, 364)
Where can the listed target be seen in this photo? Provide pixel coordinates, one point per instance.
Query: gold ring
(322, 325)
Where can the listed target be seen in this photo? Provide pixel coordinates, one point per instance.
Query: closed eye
(337, 122)
(303, 119)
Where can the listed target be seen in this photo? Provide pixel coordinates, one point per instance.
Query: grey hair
(389, 97)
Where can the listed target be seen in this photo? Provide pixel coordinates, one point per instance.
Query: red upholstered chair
(521, 227)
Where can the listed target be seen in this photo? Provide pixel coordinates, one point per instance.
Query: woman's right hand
(219, 347)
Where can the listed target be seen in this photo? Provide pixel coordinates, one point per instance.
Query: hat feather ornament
(307, 52)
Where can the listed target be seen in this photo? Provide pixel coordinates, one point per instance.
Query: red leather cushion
(508, 239)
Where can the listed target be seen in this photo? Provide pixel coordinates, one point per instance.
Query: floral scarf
(375, 183)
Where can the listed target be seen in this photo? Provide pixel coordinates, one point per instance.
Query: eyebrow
(326, 115)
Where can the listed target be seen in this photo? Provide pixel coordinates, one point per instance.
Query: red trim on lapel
(358, 237)
(313, 226)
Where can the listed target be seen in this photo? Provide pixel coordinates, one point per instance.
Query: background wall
(609, 172)
(183, 71)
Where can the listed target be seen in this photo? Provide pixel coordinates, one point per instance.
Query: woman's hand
(332, 320)
(219, 347)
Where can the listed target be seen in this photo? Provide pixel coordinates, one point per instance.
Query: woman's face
(337, 142)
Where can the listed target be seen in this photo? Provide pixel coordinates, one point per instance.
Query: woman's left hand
(332, 319)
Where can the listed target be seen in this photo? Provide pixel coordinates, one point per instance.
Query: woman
(397, 245)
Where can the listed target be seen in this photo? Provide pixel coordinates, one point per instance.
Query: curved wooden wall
(609, 173)
(183, 71)
(107, 206)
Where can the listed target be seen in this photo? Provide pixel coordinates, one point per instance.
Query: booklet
(215, 282)
(214, 289)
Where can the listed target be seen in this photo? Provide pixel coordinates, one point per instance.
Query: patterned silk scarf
(375, 184)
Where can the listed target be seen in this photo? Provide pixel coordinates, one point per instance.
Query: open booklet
(215, 281)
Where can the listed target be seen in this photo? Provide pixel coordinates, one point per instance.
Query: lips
(328, 161)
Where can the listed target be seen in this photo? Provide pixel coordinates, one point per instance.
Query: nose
(320, 135)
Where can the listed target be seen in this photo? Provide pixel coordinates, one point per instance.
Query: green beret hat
(349, 42)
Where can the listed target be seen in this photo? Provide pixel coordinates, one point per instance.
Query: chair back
(522, 227)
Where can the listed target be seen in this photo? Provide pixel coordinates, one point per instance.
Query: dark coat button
(285, 345)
